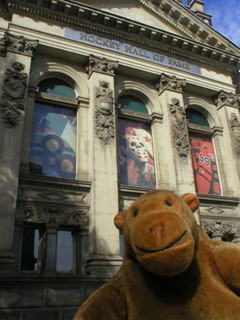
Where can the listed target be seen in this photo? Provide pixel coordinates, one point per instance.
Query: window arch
(57, 87)
(130, 102)
(203, 154)
(53, 140)
(135, 148)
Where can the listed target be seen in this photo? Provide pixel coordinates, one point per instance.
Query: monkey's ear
(191, 200)
(119, 219)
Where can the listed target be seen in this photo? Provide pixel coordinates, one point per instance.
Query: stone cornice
(54, 183)
(81, 16)
(187, 21)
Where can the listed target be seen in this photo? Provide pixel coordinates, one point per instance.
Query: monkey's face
(162, 232)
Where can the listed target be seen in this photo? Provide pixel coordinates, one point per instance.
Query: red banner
(205, 167)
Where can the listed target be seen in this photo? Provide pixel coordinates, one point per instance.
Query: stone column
(177, 161)
(228, 105)
(104, 248)
(82, 247)
(14, 83)
(51, 249)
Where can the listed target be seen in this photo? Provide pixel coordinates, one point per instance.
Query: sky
(225, 17)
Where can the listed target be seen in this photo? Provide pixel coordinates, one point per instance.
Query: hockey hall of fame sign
(127, 49)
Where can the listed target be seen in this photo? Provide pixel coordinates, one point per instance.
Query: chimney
(197, 6)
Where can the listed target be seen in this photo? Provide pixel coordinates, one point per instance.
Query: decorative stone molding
(14, 88)
(83, 17)
(235, 129)
(215, 210)
(170, 83)
(58, 185)
(217, 131)
(19, 44)
(3, 45)
(157, 117)
(101, 65)
(104, 114)
(219, 228)
(179, 128)
(227, 99)
(236, 80)
(52, 214)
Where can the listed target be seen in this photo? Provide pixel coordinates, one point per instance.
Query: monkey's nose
(157, 231)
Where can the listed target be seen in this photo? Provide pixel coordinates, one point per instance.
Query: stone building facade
(101, 102)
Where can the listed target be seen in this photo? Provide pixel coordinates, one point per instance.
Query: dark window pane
(205, 166)
(53, 143)
(121, 245)
(132, 103)
(136, 160)
(64, 251)
(196, 117)
(30, 248)
(57, 87)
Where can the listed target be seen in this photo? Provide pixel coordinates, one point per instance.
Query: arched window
(132, 103)
(57, 87)
(203, 155)
(135, 148)
(53, 141)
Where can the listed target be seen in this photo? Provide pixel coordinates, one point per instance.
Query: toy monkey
(171, 269)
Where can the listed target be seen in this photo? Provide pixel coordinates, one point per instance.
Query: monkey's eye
(135, 212)
(168, 203)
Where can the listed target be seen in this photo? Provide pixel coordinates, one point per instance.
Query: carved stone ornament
(170, 83)
(3, 46)
(104, 114)
(56, 215)
(101, 65)
(179, 128)
(219, 228)
(227, 99)
(19, 44)
(235, 129)
(14, 88)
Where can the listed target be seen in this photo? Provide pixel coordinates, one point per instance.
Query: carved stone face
(136, 146)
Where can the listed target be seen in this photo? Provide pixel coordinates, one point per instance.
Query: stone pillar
(177, 157)
(51, 249)
(228, 105)
(82, 247)
(18, 57)
(104, 248)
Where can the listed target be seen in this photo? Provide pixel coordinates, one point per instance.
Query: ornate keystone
(235, 129)
(179, 128)
(170, 83)
(104, 114)
(101, 65)
(227, 99)
(19, 44)
(14, 88)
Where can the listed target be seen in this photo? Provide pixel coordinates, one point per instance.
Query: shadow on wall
(55, 296)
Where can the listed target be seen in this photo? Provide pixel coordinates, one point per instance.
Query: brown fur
(171, 270)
